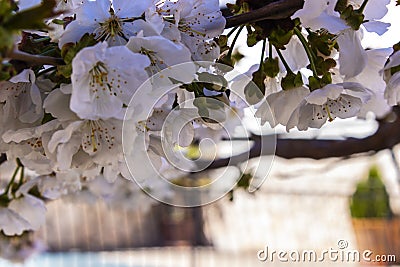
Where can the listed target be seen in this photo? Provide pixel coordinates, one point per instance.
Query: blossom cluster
(64, 135)
(358, 80)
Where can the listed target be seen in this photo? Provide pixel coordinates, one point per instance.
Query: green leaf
(32, 18)
(70, 50)
(7, 7)
(279, 37)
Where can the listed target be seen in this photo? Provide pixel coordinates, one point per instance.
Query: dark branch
(276, 10)
(35, 60)
(386, 137)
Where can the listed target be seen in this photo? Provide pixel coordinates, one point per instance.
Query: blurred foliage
(12, 22)
(371, 200)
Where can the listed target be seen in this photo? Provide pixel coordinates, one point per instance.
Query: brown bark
(276, 10)
(386, 137)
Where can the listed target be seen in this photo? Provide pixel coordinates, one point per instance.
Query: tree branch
(386, 137)
(276, 10)
(35, 60)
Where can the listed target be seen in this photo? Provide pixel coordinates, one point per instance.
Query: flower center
(156, 62)
(111, 28)
(98, 135)
(98, 75)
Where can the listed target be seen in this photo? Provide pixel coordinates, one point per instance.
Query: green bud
(271, 67)
(291, 81)
(279, 37)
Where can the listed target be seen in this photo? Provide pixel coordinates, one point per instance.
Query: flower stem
(270, 50)
(229, 55)
(21, 176)
(232, 31)
(11, 183)
(263, 54)
(287, 67)
(308, 51)
(363, 5)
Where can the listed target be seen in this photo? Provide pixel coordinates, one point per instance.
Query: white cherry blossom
(279, 106)
(352, 56)
(31, 209)
(30, 146)
(372, 78)
(103, 82)
(392, 91)
(11, 223)
(195, 23)
(320, 14)
(99, 141)
(333, 100)
(161, 52)
(20, 102)
(113, 21)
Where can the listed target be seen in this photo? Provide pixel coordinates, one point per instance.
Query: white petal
(63, 136)
(12, 223)
(376, 9)
(129, 9)
(345, 106)
(392, 92)
(57, 104)
(31, 209)
(101, 96)
(282, 105)
(352, 56)
(378, 27)
(320, 96)
(394, 60)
